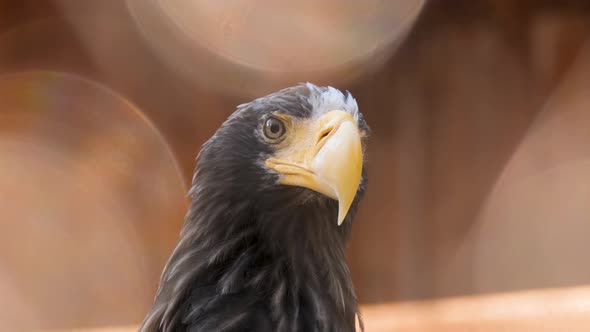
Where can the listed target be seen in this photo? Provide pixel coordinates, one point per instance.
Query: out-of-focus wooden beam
(566, 309)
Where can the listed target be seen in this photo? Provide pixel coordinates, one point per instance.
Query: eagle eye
(274, 128)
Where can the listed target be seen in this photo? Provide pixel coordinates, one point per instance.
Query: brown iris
(274, 128)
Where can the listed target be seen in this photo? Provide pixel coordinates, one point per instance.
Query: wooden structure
(539, 311)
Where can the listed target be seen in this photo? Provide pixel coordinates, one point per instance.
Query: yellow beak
(326, 156)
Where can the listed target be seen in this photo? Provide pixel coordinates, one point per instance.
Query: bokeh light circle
(254, 46)
(89, 190)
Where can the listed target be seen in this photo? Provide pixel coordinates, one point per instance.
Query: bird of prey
(273, 196)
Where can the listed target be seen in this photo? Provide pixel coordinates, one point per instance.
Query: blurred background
(479, 163)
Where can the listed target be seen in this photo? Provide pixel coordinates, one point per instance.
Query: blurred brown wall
(454, 106)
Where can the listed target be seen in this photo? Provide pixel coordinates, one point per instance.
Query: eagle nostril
(325, 133)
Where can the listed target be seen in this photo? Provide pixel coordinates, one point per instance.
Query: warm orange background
(479, 163)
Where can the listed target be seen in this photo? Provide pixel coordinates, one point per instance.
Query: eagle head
(273, 195)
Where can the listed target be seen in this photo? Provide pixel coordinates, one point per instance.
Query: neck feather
(296, 253)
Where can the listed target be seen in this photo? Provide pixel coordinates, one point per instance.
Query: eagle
(262, 247)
